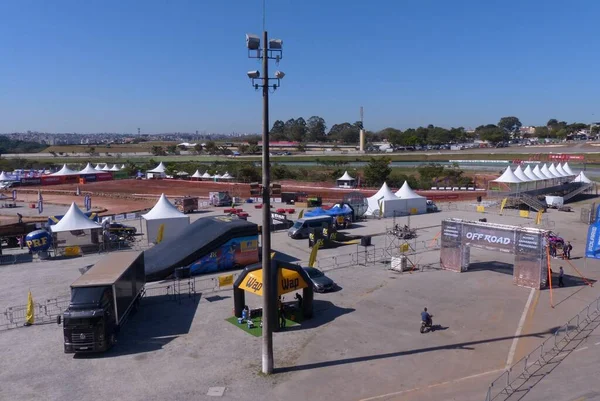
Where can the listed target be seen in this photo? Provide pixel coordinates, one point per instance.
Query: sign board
(119, 217)
(226, 280)
(561, 156)
(488, 238)
(278, 217)
(131, 216)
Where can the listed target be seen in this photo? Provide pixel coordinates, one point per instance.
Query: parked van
(302, 227)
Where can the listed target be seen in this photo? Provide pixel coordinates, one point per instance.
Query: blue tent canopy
(334, 211)
(316, 212)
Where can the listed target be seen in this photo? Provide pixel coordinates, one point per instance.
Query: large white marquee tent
(413, 202)
(164, 212)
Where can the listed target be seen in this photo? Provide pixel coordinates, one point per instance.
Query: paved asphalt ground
(363, 343)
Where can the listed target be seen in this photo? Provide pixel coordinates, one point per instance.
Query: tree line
(315, 130)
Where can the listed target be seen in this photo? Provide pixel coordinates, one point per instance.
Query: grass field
(257, 330)
(113, 148)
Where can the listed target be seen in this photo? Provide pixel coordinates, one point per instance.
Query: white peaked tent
(561, 171)
(538, 173)
(206, 176)
(98, 167)
(89, 170)
(5, 177)
(226, 176)
(65, 171)
(106, 168)
(508, 177)
(521, 175)
(530, 174)
(158, 171)
(546, 172)
(414, 203)
(346, 181)
(165, 213)
(197, 174)
(114, 168)
(74, 220)
(554, 171)
(217, 176)
(385, 200)
(122, 167)
(582, 178)
(568, 169)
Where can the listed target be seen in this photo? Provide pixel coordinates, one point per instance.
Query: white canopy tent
(554, 171)
(106, 168)
(65, 171)
(346, 181)
(521, 175)
(89, 170)
(508, 177)
(582, 178)
(538, 173)
(415, 203)
(568, 169)
(114, 168)
(530, 174)
(122, 166)
(5, 177)
(197, 174)
(206, 176)
(561, 171)
(74, 220)
(385, 203)
(547, 173)
(158, 171)
(98, 167)
(164, 212)
(226, 176)
(217, 176)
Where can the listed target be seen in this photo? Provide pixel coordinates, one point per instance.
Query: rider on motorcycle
(426, 317)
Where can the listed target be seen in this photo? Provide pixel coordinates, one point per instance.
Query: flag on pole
(78, 191)
(161, 233)
(14, 194)
(29, 313)
(313, 255)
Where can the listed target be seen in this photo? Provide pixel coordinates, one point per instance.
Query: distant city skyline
(181, 66)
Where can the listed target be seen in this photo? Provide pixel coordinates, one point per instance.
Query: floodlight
(253, 74)
(275, 44)
(252, 41)
(279, 74)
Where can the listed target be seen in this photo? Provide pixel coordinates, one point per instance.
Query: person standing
(568, 249)
(561, 274)
(281, 316)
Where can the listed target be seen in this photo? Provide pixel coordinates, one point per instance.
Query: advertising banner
(488, 238)
(31, 181)
(529, 243)
(90, 177)
(592, 247)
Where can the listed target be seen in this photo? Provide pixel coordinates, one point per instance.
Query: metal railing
(44, 312)
(520, 372)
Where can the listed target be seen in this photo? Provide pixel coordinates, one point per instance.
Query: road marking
(377, 397)
(513, 346)
(580, 349)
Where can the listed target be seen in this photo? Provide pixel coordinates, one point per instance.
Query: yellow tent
(287, 281)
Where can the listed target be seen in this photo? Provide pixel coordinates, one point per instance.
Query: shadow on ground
(159, 320)
(323, 313)
(468, 346)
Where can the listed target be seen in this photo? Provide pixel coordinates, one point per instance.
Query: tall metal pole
(269, 312)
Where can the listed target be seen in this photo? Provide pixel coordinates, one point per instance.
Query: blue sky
(165, 66)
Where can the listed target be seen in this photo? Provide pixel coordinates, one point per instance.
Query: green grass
(257, 330)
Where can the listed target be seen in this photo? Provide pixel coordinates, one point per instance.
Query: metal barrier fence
(44, 312)
(494, 209)
(521, 371)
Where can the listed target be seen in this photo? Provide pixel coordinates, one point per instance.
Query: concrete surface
(362, 344)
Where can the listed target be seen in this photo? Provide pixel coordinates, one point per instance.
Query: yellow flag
(312, 259)
(301, 214)
(161, 233)
(538, 218)
(503, 204)
(29, 313)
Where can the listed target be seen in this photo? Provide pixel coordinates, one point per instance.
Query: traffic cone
(29, 314)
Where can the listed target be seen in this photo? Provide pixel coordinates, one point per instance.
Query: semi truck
(101, 300)
(187, 204)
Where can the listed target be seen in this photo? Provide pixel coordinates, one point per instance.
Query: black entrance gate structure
(527, 244)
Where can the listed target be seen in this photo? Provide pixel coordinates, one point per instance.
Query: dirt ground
(131, 195)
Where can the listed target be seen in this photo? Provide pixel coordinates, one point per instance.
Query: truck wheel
(112, 339)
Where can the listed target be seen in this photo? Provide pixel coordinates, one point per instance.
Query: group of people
(566, 250)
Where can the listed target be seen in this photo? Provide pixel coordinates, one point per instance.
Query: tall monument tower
(362, 131)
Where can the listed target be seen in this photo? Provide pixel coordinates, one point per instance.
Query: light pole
(270, 50)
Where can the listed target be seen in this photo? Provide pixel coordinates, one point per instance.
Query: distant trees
(510, 124)
(158, 151)
(492, 133)
(172, 149)
(377, 171)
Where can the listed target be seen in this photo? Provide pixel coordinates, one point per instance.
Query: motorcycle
(427, 326)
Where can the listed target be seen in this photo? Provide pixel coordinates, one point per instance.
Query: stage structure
(527, 244)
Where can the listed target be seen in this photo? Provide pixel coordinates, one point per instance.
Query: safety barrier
(45, 312)
(518, 374)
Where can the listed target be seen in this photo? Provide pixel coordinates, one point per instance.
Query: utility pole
(270, 50)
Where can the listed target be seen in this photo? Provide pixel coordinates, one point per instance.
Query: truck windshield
(86, 321)
(86, 295)
(297, 224)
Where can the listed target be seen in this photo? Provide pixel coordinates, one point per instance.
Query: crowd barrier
(519, 373)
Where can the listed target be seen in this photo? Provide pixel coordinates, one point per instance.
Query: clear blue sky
(164, 66)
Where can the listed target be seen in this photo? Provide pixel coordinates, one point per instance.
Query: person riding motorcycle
(426, 317)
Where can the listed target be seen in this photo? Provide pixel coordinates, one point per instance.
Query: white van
(302, 227)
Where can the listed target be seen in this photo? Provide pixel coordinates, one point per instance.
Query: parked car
(555, 239)
(321, 283)
(121, 229)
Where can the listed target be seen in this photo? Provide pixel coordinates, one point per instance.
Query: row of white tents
(546, 175)
(405, 201)
(164, 213)
(160, 171)
(87, 170)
